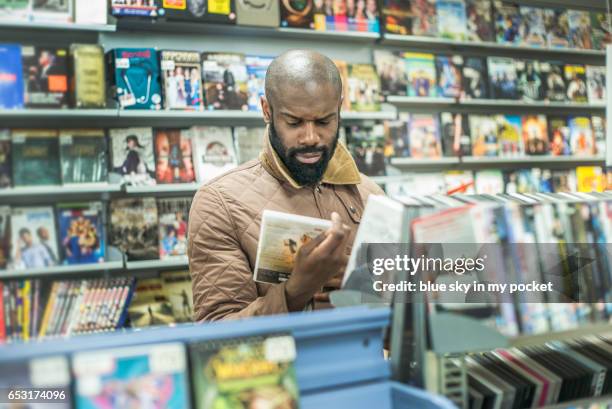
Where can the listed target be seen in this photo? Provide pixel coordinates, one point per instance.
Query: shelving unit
(51, 26)
(601, 328)
(156, 264)
(64, 271)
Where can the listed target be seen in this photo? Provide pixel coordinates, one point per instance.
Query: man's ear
(265, 108)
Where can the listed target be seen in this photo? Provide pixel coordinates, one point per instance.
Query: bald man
(302, 170)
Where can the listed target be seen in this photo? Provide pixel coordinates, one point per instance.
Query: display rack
(51, 26)
(155, 265)
(65, 271)
(339, 360)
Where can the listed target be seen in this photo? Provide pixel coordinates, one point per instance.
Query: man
(301, 170)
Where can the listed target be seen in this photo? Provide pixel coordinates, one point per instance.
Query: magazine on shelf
(397, 16)
(6, 174)
(36, 157)
(421, 70)
(449, 75)
(478, 21)
(281, 237)
(134, 228)
(455, 131)
(508, 21)
(590, 179)
(135, 76)
(576, 83)
(181, 78)
(475, 78)
(424, 137)
(535, 134)
(364, 88)
(582, 141)
(173, 156)
(138, 375)
(559, 135)
(81, 233)
(557, 28)
(459, 182)
(530, 80)
(502, 78)
(45, 76)
(298, 14)
(483, 130)
(173, 217)
(225, 81)
(249, 141)
(214, 152)
(509, 136)
(391, 69)
(88, 76)
(553, 76)
(596, 83)
(132, 155)
(579, 29)
(83, 156)
(532, 30)
(451, 19)
(150, 306)
(245, 372)
(177, 289)
(256, 71)
(200, 11)
(33, 238)
(11, 70)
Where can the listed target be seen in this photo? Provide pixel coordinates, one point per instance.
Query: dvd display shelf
(38, 194)
(429, 104)
(74, 28)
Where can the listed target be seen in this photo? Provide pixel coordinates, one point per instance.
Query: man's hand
(316, 263)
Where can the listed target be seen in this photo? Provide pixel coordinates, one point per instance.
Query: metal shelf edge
(538, 339)
(62, 270)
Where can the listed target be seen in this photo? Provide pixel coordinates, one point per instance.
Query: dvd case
(45, 74)
(225, 80)
(173, 218)
(36, 157)
(88, 76)
(81, 233)
(83, 156)
(173, 153)
(211, 11)
(297, 13)
(33, 238)
(135, 77)
(182, 80)
(421, 69)
(11, 72)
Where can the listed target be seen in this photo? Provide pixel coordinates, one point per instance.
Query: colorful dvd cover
(173, 154)
(576, 83)
(424, 137)
(132, 155)
(6, 177)
(297, 13)
(502, 78)
(33, 238)
(11, 77)
(530, 80)
(475, 78)
(214, 151)
(479, 21)
(581, 136)
(202, 11)
(449, 74)
(173, 217)
(397, 16)
(579, 29)
(225, 81)
(81, 232)
(455, 131)
(256, 71)
(601, 30)
(425, 18)
(535, 134)
(141, 8)
(134, 228)
(421, 69)
(135, 76)
(391, 69)
(554, 81)
(559, 137)
(88, 76)
(45, 75)
(533, 29)
(451, 19)
(556, 23)
(596, 83)
(507, 23)
(509, 136)
(483, 130)
(182, 80)
(364, 88)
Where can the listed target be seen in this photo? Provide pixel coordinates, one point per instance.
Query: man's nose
(310, 136)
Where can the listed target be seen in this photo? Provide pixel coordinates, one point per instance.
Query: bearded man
(302, 170)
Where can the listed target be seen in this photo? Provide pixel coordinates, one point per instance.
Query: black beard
(304, 174)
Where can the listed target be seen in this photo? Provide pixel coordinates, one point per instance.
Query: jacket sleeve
(221, 276)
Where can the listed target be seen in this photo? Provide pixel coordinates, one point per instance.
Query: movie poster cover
(554, 80)
(397, 16)
(421, 70)
(508, 22)
(213, 11)
(451, 19)
(177, 289)
(134, 8)
(601, 34)
(391, 70)
(225, 80)
(256, 71)
(135, 77)
(475, 78)
(36, 157)
(364, 88)
(132, 155)
(509, 136)
(133, 228)
(530, 80)
(449, 74)
(479, 21)
(579, 29)
(81, 231)
(138, 377)
(11, 72)
(346, 15)
(173, 153)
(367, 145)
(559, 130)
(297, 13)
(425, 18)
(182, 80)
(173, 217)
(596, 83)
(533, 29)
(45, 74)
(556, 22)
(214, 151)
(456, 140)
(576, 83)
(6, 178)
(83, 156)
(88, 75)
(243, 373)
(581, 136)
(502, 78)
(483, 130)
(424, 136)
(33, 238)
(535, 134)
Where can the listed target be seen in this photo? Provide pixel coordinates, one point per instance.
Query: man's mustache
(307, 149)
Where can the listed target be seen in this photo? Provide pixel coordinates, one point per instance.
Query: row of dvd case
(43, 236)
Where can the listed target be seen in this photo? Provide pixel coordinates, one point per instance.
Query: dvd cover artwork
(509, 136)
(5, 159)
(364, 87)
(182, 80)
(141, 8)
(556, 23)
(132, 155)
(535, 134)
(455, 131)
(582, 141)
(213, 11)
(596, 83)
(576, 85)
(479, 22)
(424, 135)
(475, 84)
(397, 16)
(579, 29)
(554, 81)
(136, 78)
(451, 19)
(45, 73)
(33, 238)
(502, 76)
(533, 29)
(297, 13)
(559, 136)
(421, 71)
(450, 81)
(391, 69)
(425, 18)
(530, 84)
(225, 79)
(11, 77)
(507, 23)
(81, 231)
(173, 219)
(173, 152)
(256, 71)
(346, 15)
(483, 130)
(134, 228)
(601, 30)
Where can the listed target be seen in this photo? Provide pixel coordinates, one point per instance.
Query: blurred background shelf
(51, 26)
(154, 265)
(424, 163)
(162, 189)
(51, 193)
(59, 271)
(58, 118)
(539, 339)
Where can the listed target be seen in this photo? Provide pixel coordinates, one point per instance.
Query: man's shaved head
(305, 70)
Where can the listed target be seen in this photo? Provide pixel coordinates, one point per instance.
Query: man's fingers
(334, 283)
(308, 247)
(321, 297)
(331, 242)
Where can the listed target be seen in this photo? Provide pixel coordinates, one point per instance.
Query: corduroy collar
(341, 169)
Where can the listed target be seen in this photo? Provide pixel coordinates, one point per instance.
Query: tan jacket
(224, 224)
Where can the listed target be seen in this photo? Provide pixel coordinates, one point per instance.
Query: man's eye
(323, 123)
(294, 124)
